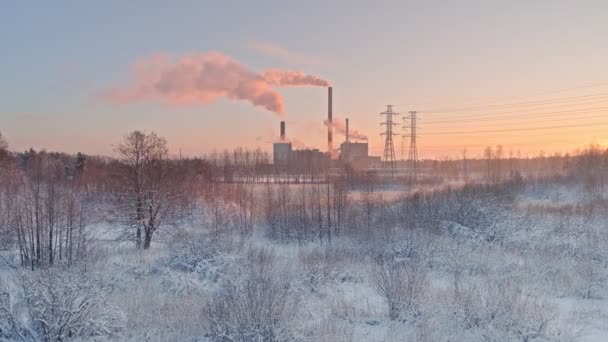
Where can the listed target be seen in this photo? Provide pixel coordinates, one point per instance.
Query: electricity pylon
(412, 157)
(389, 147)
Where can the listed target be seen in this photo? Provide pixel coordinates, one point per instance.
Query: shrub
(258, 307)
(401, 284)
(63, 306)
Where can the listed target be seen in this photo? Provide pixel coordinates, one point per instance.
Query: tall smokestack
(282, 130)
(330, 134)
(346, 129)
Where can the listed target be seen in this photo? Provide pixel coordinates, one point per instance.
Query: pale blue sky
(58, 56)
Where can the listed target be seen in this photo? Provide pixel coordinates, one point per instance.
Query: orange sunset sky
(531, 76)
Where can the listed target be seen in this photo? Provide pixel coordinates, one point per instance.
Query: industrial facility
(353, 155)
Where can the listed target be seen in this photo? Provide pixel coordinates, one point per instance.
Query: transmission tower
(413, 151)
(389, 147)
(403, 145)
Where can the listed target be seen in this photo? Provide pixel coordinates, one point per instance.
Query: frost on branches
(57, 305)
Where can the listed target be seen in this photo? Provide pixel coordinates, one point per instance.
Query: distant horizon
(507, 153)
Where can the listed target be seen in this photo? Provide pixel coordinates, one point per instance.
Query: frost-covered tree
(80, 163)
(3, 143)
(3, 147)
(145, 192)
(43, 211)
(590, 168)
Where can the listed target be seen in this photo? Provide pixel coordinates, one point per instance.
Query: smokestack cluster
(282, 130)
(330, 133)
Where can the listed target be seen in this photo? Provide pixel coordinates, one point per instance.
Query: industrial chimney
(330, 136)
(282, 130)
(347, 130)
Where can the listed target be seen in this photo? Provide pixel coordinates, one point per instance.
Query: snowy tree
(3, 142)
(146, 192)
(80, 163)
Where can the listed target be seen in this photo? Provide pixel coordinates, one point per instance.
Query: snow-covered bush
(326, 264)
(192, 252)
(8, 326)
(258, 306)
(401, 284)
(157, 313)
(590, 278)
(62, 306)
(496, 310)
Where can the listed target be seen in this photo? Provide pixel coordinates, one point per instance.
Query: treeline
(496, 165)
(49, 201)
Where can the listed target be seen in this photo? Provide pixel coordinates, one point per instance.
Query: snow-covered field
(524, 264)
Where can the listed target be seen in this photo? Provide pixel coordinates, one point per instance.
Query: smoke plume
(203, 78)
(340, 128)
(293, 78)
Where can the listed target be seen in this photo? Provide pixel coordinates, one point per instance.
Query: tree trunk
(147, 240)
(138, 237)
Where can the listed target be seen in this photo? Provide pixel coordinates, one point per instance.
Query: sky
(529, 75)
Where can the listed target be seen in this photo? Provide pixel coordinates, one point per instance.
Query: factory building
(352, 154)
(309, 160)
(356, 154)
(288, 159)
(281, 151)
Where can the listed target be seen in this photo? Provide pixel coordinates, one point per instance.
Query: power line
(592, 105)
(509, 117)
(528, 122)
(594, 130)
(435, 149)
(546, 143)
(516, 104)
(505, 136)
(535, 95)
(506, 143)
(490, 116)
(520, 129)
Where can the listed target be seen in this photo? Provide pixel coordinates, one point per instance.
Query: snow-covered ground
(479, 267)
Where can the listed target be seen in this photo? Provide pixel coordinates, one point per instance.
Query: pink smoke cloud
(293, 78)
(203, 78)
(340, 127)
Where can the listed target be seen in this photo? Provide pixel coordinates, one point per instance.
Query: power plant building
(288, 159)
(356, 154)
(352, 154)
(281, 153)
